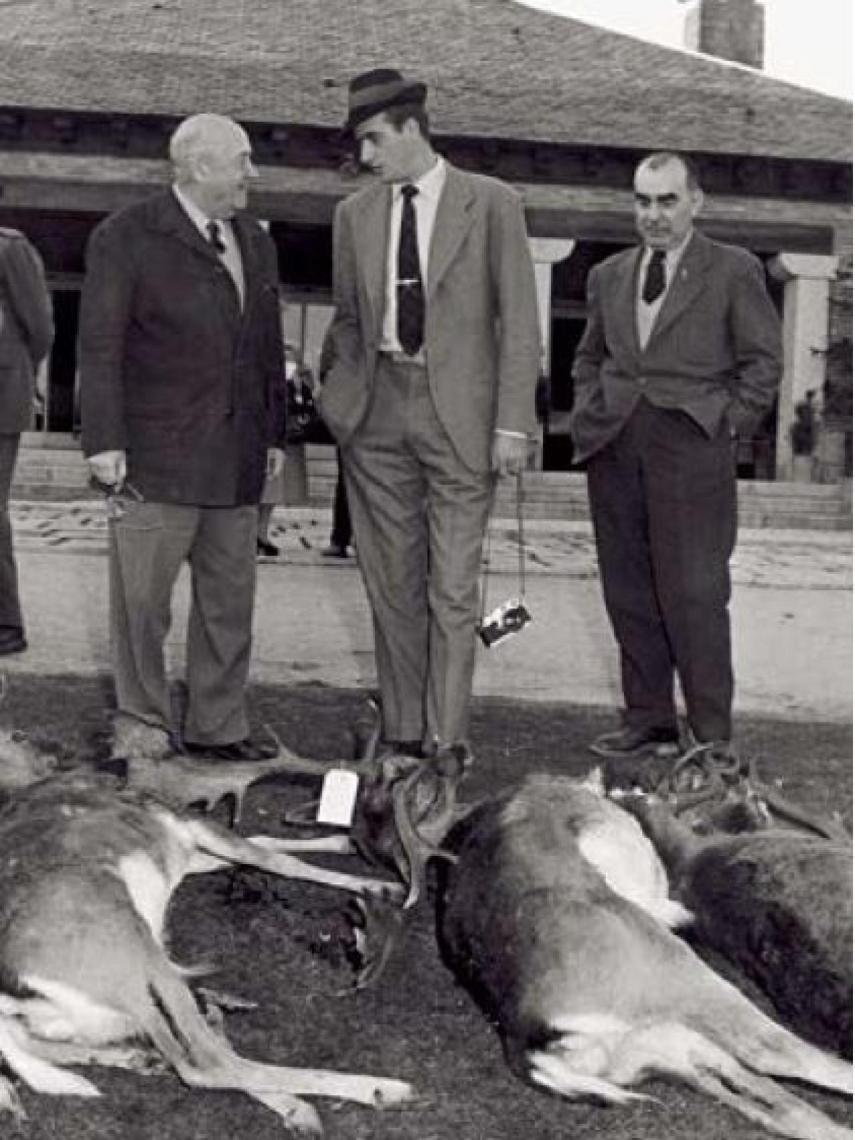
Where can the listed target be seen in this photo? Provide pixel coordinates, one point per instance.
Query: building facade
(563, 111)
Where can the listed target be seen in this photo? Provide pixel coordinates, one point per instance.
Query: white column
(806, 280)
(545, 253)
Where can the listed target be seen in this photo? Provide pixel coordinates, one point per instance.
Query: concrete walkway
(792, 612)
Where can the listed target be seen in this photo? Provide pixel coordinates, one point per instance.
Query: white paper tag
(338, 797)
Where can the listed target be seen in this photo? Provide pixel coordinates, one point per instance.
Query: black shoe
(657, 740)
(334, 550)
(241, 751)
(12, 641)
(266, 549)
(404, 748)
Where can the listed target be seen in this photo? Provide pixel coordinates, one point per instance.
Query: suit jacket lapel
(625, 297)
(372, 236)
(247, 240)
(168, 216)
(453, 218)
(688, 283)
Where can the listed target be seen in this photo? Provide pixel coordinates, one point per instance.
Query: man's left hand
(275, 462)
(510, 452)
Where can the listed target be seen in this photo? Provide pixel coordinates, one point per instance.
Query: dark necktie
(215, 237)
(654, 278)
(411, 301)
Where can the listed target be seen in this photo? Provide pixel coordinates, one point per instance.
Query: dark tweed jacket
(172, 370)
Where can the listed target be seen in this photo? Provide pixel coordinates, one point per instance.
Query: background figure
(682, 349)
(431, 394)
(342, 532)
(803, 432)
(26, 334)
(273, 491)
(182, 427)
(341, 535)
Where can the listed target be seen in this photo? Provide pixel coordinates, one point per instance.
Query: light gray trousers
(419, 516)
(149, 542)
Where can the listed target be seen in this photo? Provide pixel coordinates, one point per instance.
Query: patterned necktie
(654, 278)
(411, 300)
(215, 237)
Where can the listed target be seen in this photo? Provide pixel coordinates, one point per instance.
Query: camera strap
(520, 545)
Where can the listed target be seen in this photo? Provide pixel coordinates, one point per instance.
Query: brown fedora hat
(376, 90)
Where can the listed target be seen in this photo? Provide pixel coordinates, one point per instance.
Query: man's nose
(251, 170)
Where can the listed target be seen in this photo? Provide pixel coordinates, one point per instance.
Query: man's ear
(697, 201)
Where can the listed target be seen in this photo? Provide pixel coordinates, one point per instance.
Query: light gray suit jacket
(482, 341)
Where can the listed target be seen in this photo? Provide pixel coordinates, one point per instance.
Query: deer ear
(594, 781)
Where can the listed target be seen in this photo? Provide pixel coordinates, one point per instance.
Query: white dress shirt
(231, 258)
(425, 204)
(646, 313)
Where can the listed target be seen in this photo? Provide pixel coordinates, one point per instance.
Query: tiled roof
(495, 68)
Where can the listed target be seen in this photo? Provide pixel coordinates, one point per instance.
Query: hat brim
(372, 101)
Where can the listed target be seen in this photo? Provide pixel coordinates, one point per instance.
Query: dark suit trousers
(148, 545)
(418, 517)
(341, 528)
(663, 504)
(10, 606)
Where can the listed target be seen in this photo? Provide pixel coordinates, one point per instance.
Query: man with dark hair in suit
(26, 334)
(431, 395)
(182, 399)
(682, 349)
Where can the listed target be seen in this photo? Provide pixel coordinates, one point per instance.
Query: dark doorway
(62, 401)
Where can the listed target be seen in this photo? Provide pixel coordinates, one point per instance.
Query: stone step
(50, 471)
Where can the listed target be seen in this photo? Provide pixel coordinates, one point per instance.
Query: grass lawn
(282, 945)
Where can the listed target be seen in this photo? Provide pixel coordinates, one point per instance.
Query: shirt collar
(672, 256)
(198, 217)
(431, 182)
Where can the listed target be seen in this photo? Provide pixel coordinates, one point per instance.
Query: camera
(510, 617)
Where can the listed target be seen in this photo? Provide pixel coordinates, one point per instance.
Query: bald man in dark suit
(682, 349)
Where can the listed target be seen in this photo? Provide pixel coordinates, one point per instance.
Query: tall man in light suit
(431, 395)
(682, 349)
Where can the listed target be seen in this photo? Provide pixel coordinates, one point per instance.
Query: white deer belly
(627, 860)
(149, 889)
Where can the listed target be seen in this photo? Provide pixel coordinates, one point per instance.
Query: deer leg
(203, 1059)
(211, 840)
(329, 844)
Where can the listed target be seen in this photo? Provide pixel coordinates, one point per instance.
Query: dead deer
(87, 869)
(775, 900)
(555, 913)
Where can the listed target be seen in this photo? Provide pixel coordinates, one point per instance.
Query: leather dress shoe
(240, 751)
(335, 550)
(12, 641)
(656, 740)
(266, 549)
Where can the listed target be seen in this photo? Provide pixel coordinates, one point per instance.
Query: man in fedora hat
(430, 397)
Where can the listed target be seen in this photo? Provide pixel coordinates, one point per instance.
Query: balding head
(211, 158)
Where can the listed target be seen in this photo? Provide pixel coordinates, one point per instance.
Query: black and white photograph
(426, 635)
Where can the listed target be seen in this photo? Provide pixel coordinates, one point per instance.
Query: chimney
(729, 29)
